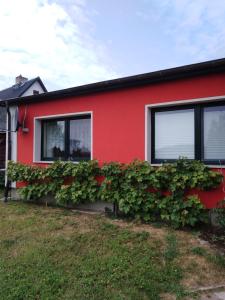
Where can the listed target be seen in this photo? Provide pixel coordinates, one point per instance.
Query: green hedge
(138, 189)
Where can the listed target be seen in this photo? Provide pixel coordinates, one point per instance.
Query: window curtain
(80, 138)
(54, 139)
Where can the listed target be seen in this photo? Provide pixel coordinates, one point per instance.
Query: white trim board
(166, 104)
(37, 133)
(64, 115)
(187, 101)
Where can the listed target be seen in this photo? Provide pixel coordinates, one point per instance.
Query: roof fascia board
(205, 68)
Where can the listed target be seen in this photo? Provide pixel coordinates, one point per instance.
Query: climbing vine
(138, 189)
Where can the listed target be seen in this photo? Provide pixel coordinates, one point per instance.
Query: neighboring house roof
(17, 90)
(204, 68)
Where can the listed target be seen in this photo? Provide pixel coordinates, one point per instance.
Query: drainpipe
(8, 152)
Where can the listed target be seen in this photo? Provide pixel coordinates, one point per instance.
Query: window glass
(2, 150)
(174, 134)
(67, 139)
(54, 140)
(214, 133)
(2, 118)
(80, 139)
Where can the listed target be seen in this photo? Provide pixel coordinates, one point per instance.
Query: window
(66, 139)
(3, 114)
(193, 131)
(214, 133)
(177, 139)
(54, 140)
(80, 139)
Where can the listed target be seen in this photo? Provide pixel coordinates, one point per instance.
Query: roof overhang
(204, 68)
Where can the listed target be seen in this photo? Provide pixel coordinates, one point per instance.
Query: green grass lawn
(51, 253)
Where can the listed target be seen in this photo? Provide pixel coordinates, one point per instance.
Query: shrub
(138, 189)
(82, 185)
(160, 193)
(136, 199)
(180, 212)
(149, 193)
(113, 178)
(220, 214)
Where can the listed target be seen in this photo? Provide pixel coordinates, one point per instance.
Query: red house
(156, 116)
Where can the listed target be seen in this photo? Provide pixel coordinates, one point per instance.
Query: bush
(83, 185)
(138, 189)
(180, 212)
(148, 193)
(69, 183)
(113, 177)
(139, 197)
(160, 193)
(220, 214)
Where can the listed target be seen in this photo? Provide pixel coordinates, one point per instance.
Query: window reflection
(54, 139)
(67, 139)
(80, 139)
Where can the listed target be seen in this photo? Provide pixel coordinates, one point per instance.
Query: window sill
(52, 161)
(156, 165)
(216, 166)
(210, 166)
(153, 165)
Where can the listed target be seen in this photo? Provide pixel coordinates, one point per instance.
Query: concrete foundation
(98, 206)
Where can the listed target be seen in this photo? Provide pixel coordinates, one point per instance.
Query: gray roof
(17, 90)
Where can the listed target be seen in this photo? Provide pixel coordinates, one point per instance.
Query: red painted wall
(119, 118)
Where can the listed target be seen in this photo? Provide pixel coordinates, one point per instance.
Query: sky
(73, 42)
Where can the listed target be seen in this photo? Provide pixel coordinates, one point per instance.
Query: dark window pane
(214, 133)
(80, 139)
(2, 118)
(54, 140)
(2, 150)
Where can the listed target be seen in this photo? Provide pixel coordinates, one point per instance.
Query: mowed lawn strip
(51, 253)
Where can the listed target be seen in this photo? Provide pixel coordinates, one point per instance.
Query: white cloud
(44, 38)
(197, 27)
